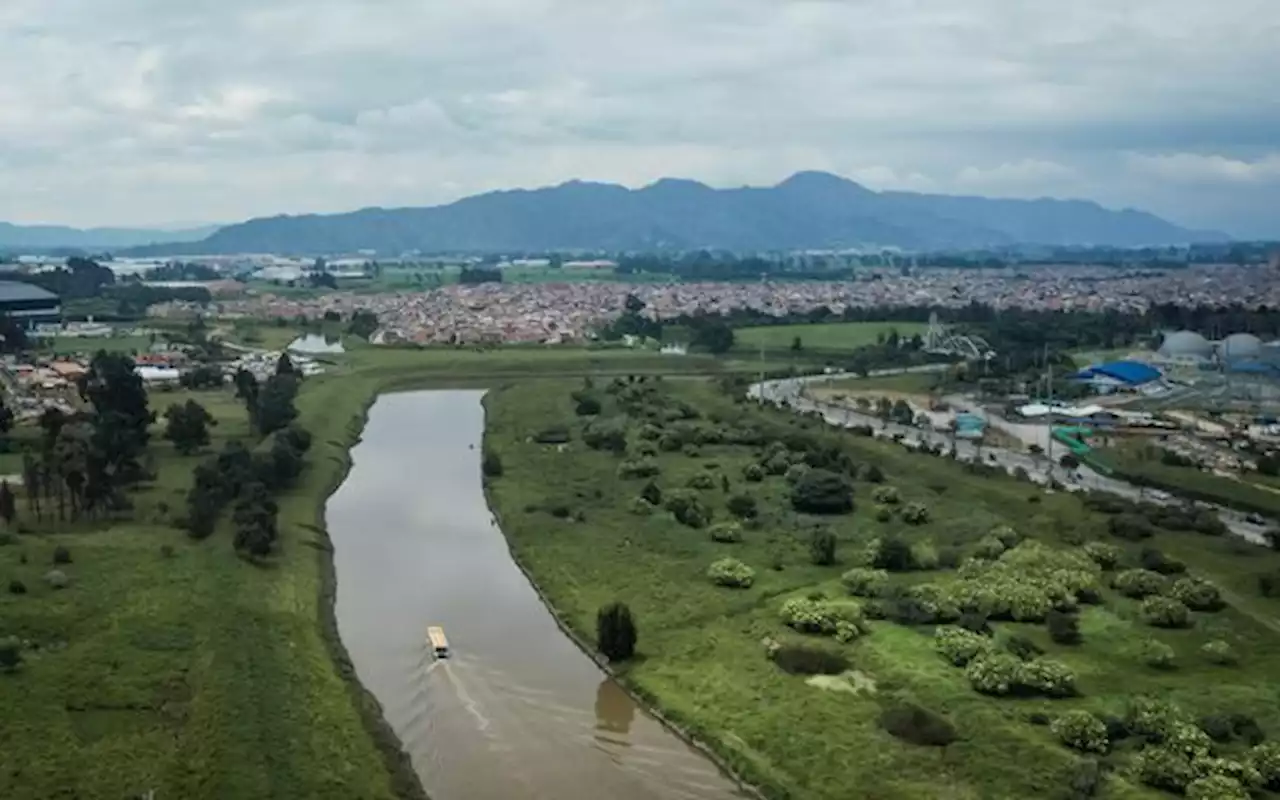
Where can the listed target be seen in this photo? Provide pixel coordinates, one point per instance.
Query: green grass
(1131, 463)
(702, 661)
(835, 336)
(199, 675)
(85, 344)
(921, 383)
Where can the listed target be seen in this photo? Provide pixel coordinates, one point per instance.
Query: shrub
(607, 435)
(871, 473)
(1081, 731)
(883, 513)
(616, 632)
(10, 653)
(1152, 717)
(638, 468)
(924, 556)
(1240, 771)
(1265, 758)
(688, 509)
(652, 493)
(61, 555)
(726, 532)
(1083, 779)
(822, 492)
(752, 473)
(17, 587)
(1139, 583)
(1064, 628)
(557, 434)
(640, 507)
(916, 725)
(56, 579)
(1165, 612)
(960, 646)
(1104, 555)
(795, 472)
(1216, 787)
(778, 464)
(993, 673)
(1156, 561)
(915, 514)
(989, 548)
(1020, 646)
(491, 464)
(1007, 535)
(825, 618)
(1269, 584)
(1196, 594)
(801, 659)
(893, 554)
(731, 573)
(1131, 527)
(1164, 769)
(702, 481)
(743, 506)
(1049, 678)
(886, 495)
(691, 451)
(1219, 652)
(863, 582)
(822, 547)
(1157, 655)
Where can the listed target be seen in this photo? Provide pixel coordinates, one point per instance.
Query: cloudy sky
(159, 111)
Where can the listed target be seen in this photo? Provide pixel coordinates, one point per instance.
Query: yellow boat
(439, 644)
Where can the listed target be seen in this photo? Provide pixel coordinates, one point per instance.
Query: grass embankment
(1129, 463)
(833, 338)
(195, 673)
(701, 652)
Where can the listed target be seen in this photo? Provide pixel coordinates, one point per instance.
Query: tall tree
(123, 415)
(275, 409)
(616, 632)
(8, 503)
(187, 426)
(284, 365)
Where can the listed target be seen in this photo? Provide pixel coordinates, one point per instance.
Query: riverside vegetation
(166, 624)
(836, 616)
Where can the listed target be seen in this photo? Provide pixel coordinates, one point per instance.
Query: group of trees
(709, 332)
(270, 404)
(470, 276)
(86, 460)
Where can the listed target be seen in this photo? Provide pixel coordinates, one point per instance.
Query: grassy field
(836, 336)
(701, 656)
(194, 673)
(65, 345)
(1131, 462)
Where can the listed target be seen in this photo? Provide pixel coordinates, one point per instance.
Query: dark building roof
(14, 291)
(1134, 373)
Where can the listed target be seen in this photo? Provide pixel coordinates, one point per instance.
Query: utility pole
(1049, 392)
(762, 287)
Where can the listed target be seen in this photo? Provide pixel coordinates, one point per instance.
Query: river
(518, 711)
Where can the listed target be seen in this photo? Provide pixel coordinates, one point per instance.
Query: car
(1255, 519)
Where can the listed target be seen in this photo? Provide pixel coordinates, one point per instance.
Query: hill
(48, 237)
(808, 210)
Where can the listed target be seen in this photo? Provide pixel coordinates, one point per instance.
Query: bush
(1046, 677)
(892, 554)
(795, 472)
(640, 507)
(1081, 731)
(61, 555)
(688, 509)
(825, 618)
(1157, 655)
(1164, 769)
(1139, 583)
(822, 492)
(1219, 652)
(491, 464)
(822, 547)
(652, 493)
(1064, 628)
(17, 587)
(1131, 527)
(1020, 646)
(989, 548)
(1196, 594)
(863, 582)
(886, 495)
(726, 532)
(1216, 787)
(1007, 535)
(1156, 561)
(702, 482)
(915, 514)
(743, 506)
(616, 632)
(924, 556)
(883, 513)
(1083, 779)
(994, 673)
(871, 473)
(960, 646)
(10, 653)
(916, 725)
(752, 473)
(1265, 758)
(1165, 612)
(800, 659)
(638, 468)
(1102, 554)
(557, 434)
(56, 579)
(1269, 584)
(731, 573)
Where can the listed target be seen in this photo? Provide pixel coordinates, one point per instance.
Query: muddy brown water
(518, 711)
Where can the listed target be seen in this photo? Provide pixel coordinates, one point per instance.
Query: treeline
(711, 266)
(471, 276)
(710, 332)
(86, 284)
(250, 480)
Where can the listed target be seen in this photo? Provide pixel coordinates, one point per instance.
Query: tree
(10, 653)
(275, 408)
(246, 386)
(122, 415)
(188, 426)
(797, 344)
(363, 323)
(821, 491)
(8, 503)
(822, 547)
(284, 365)
(6, 423)
(616, 632)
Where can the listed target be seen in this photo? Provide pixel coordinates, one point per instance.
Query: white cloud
(1196, 168)
(222, 109)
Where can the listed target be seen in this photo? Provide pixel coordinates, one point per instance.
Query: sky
(151, 112)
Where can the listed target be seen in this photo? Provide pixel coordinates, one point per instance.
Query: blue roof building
(1120, 373)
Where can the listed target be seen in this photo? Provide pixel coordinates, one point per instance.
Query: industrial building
(1119, 375)
(28, 304)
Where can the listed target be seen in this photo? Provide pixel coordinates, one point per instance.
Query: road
(790, 393)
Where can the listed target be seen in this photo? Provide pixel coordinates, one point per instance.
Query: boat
(439, 644)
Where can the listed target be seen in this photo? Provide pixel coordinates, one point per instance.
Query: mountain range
(49, 237)
(809, 210)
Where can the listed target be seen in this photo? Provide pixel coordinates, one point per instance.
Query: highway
(790, 393)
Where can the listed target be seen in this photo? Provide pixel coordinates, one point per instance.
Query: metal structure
(943, 341)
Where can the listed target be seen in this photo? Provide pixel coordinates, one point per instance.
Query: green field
(1133, 463)
(66, 345)
(701, 657)
(836, 336)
